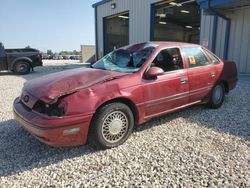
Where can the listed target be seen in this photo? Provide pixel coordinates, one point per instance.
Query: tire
(22, 67)
(217, 96)
(111, 126)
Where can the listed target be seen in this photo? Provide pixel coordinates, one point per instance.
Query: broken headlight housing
(55, 109)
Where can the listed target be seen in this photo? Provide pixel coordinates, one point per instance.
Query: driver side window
(168, 60)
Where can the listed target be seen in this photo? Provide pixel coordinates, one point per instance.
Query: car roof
(169, 44)
(157, 44)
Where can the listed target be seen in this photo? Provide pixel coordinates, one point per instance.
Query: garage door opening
(116, 32)
(177, 20)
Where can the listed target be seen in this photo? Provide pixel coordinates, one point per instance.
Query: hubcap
(217, 94)
(21, 68)
(115, 126)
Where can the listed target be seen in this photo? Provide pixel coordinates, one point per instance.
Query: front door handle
(184, 80)
(213, 74)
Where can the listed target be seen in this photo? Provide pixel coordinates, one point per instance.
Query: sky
(47, 24)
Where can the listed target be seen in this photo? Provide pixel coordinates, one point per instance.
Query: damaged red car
(125, 88)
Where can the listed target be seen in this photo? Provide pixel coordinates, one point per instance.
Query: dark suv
(20, 61)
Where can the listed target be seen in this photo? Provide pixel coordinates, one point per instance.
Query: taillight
(39, 56)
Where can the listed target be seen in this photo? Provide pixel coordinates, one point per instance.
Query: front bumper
(53, 131)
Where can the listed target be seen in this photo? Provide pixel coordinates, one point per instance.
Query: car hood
(50, 87)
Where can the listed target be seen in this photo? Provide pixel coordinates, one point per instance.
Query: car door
(169, 90)
(201, 73)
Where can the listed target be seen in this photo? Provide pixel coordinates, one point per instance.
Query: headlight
(56, 109)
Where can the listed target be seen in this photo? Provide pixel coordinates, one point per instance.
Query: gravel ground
(196, 147)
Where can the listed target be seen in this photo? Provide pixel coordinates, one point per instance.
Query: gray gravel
(196, 147)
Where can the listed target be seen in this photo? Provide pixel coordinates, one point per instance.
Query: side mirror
(153, 72)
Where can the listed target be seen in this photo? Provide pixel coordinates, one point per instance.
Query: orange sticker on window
(192, 60)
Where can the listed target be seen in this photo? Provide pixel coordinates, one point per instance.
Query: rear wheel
(217, 96)
(111, 126)
(22, 67)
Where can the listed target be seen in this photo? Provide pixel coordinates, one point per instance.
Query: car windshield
(122, 60)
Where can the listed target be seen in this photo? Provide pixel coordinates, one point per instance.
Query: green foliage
(49, 52)
(69, 53)
(76, 52)
(63, 53)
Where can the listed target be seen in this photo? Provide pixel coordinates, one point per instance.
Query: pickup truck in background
(19, 61)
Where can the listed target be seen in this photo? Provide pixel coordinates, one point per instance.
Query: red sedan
(127, 87)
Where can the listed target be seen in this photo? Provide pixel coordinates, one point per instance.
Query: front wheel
(217, 96)
(111, 126)
(22, 67)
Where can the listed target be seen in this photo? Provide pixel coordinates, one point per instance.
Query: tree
(69, 53)
(64, 53)
(49, 52)
(76, 52)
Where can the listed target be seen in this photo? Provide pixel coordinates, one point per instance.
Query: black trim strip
(165, 99)
(171, 110)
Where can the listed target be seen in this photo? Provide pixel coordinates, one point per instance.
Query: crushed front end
(49, 122)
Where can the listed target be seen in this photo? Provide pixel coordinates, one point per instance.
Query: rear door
(202, 74)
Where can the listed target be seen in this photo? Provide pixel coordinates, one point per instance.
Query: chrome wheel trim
(115, 126)
(217, 94)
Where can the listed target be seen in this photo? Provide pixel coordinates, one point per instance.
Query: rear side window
(195, 57)
(213, 58)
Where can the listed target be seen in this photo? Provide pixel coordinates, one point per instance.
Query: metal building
(221, 25)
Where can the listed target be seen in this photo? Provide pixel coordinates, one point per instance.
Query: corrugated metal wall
(139, 25)
(239, 42)
(220, 37)
(207, 23)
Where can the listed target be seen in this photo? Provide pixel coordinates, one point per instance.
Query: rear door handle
(184, 80)
(213, 74)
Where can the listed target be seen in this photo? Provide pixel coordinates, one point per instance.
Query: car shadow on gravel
(20, 151)
(226, 120)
